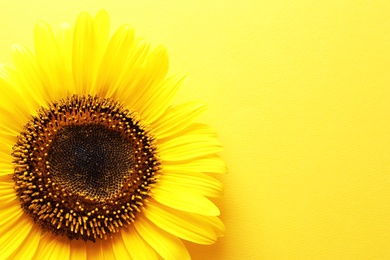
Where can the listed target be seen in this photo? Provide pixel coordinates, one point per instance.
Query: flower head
(94, 161)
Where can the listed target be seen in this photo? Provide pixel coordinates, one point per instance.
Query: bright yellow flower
(94, 161)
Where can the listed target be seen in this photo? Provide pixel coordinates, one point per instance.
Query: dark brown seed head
(84, 167)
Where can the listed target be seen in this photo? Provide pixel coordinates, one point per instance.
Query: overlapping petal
(197, 182)
(52, 247)
(185, 225)
(29, 76)
(77, 250)
(12, 96)
(207, 164)
(101, 36)
(188, 147)
(136, 245)
(27, 249)
(177, 118)
(167, 245)
(64, 37)
(14, 232)
(120, 48)
(186, 201)
(83, 56)
(119, 248)
(49, 57)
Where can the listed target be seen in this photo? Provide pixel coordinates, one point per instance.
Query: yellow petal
(8, 131)
(7, 141)
(64, 37)
(31, 81)
(62, 248)
(12, 236)
(78, 250)
(154, 71)
(10, 98)
(107, 249)
(53, 247)
(50, 60)
(207, 164)
(177, 118)
(6, 168)
(100, 250)
(45, 247)
(149, 68)
(131, 82)
(198, 183)
(167, 245)
(185, 201)
(95, 250)
(7, 187)
(198, 129)
(136, 246)
(119, 49)
(154, 102)
(8, 126)
(6, 178)
(185, 225)
(101, 31)
(28, 248)
(188, 147)
(216, 224)
(119, 248)
(8, 200)
(83, 53)
(9, 203)
(157, 66)
(10, 213)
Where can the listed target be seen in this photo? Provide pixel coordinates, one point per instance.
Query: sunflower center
(84, 167)
(90, 159)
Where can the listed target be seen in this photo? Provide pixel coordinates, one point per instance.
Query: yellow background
(299, 92)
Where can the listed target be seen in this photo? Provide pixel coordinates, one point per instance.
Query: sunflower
(94, 161)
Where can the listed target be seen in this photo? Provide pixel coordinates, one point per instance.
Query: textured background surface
(299, 93)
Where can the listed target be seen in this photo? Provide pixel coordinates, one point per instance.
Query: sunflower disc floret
(84, 166)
